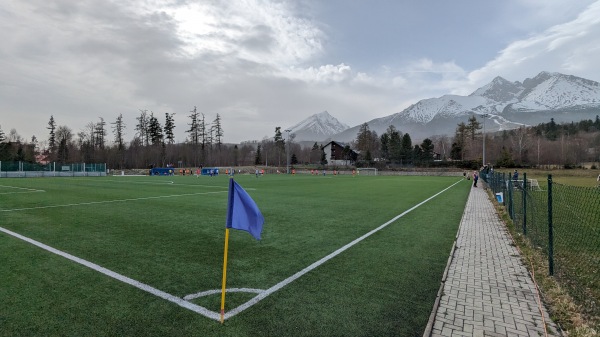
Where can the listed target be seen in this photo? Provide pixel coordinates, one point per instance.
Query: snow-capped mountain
(317, 127)
(504, 104)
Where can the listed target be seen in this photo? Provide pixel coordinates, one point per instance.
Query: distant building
(339, 154)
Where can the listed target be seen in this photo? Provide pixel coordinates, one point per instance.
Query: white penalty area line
(296, 276)
(142, 286)
(21, 189)
(109, 201)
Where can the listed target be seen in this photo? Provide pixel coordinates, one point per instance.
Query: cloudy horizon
(260, 64)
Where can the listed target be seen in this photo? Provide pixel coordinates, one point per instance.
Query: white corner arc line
(218, 291)
(171, 298)
(294, 277)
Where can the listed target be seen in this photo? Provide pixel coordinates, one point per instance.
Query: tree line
(566, 144)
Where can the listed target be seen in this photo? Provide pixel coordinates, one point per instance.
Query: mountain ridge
(506, 104)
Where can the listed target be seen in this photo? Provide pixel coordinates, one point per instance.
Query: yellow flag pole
(224, 275)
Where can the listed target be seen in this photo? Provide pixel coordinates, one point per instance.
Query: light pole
(484, 117)
(288, 150)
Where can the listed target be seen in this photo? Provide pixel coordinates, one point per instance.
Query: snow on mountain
(507, 105)
(500, 90)
(317, 127)
(553, 91)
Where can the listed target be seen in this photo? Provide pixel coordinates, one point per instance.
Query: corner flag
(242, 212)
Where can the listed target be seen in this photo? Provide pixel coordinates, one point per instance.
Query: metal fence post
(550, 233)
(524, 203)
(510, 200)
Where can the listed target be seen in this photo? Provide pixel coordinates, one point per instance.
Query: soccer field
(339, 255)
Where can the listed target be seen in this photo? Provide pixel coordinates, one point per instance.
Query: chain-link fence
(564, 222)
(20, 169)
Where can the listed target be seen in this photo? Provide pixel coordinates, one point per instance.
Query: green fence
(564, 222)
(20, 169)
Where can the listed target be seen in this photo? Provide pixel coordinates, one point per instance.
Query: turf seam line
(109, 201)
(142, 286)
(316, 264)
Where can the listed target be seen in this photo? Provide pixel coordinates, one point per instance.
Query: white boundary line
(262, 294)
(181, 302)
(109, 201)
(34, 191)
(294, 277)
(27, 190)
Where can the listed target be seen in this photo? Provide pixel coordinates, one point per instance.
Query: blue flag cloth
(242, 212)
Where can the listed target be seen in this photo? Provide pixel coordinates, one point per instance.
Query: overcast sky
(260, 64)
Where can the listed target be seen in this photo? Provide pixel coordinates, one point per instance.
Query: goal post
(367, 171)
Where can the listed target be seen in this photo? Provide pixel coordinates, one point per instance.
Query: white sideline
(294, 277)
(181, 302)
(262, 294)
(109, 201)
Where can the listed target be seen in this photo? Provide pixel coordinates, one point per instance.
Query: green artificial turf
(168, 232)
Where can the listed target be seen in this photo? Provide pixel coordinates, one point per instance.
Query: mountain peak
(318, 127)
(499, 89)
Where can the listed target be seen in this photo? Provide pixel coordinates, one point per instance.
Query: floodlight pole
(288, 150)
(484, 117)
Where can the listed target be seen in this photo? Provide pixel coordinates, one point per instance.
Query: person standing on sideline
(475, 178)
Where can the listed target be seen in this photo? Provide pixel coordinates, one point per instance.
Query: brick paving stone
(488, 291)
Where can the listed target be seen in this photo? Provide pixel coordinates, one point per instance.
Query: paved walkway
(488, 291)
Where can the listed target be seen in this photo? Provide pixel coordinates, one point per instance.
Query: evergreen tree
(194, 132)
(279, 143)
(456, 151)
(155, 131)
(427, 148)
(142, 127)
(257, 158)
(294, 159)
(417, 154)
(552, 132)
(52, 137)
(385, 142)
(473, 126)
(460, 137)
(100, 134)
(236, 154)
(406, 149)
(169, 126)
(218, 132)
(323, 157)
(118, 128)
(2, 136)
(314, 149)
(204, 135)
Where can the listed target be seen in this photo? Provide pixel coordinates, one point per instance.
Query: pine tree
(193, 130)
(169, 126)
(427, 148)
(472, 127)
(52, 137)
(279, 143)
(2, 136)
(142, 127)
(204, 136)
(217, 132)
(118, 127)
(406, 149)
(155, 130)
(100, 134)
(257, 158)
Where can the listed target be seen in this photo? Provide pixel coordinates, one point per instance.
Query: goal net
(367, 171)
